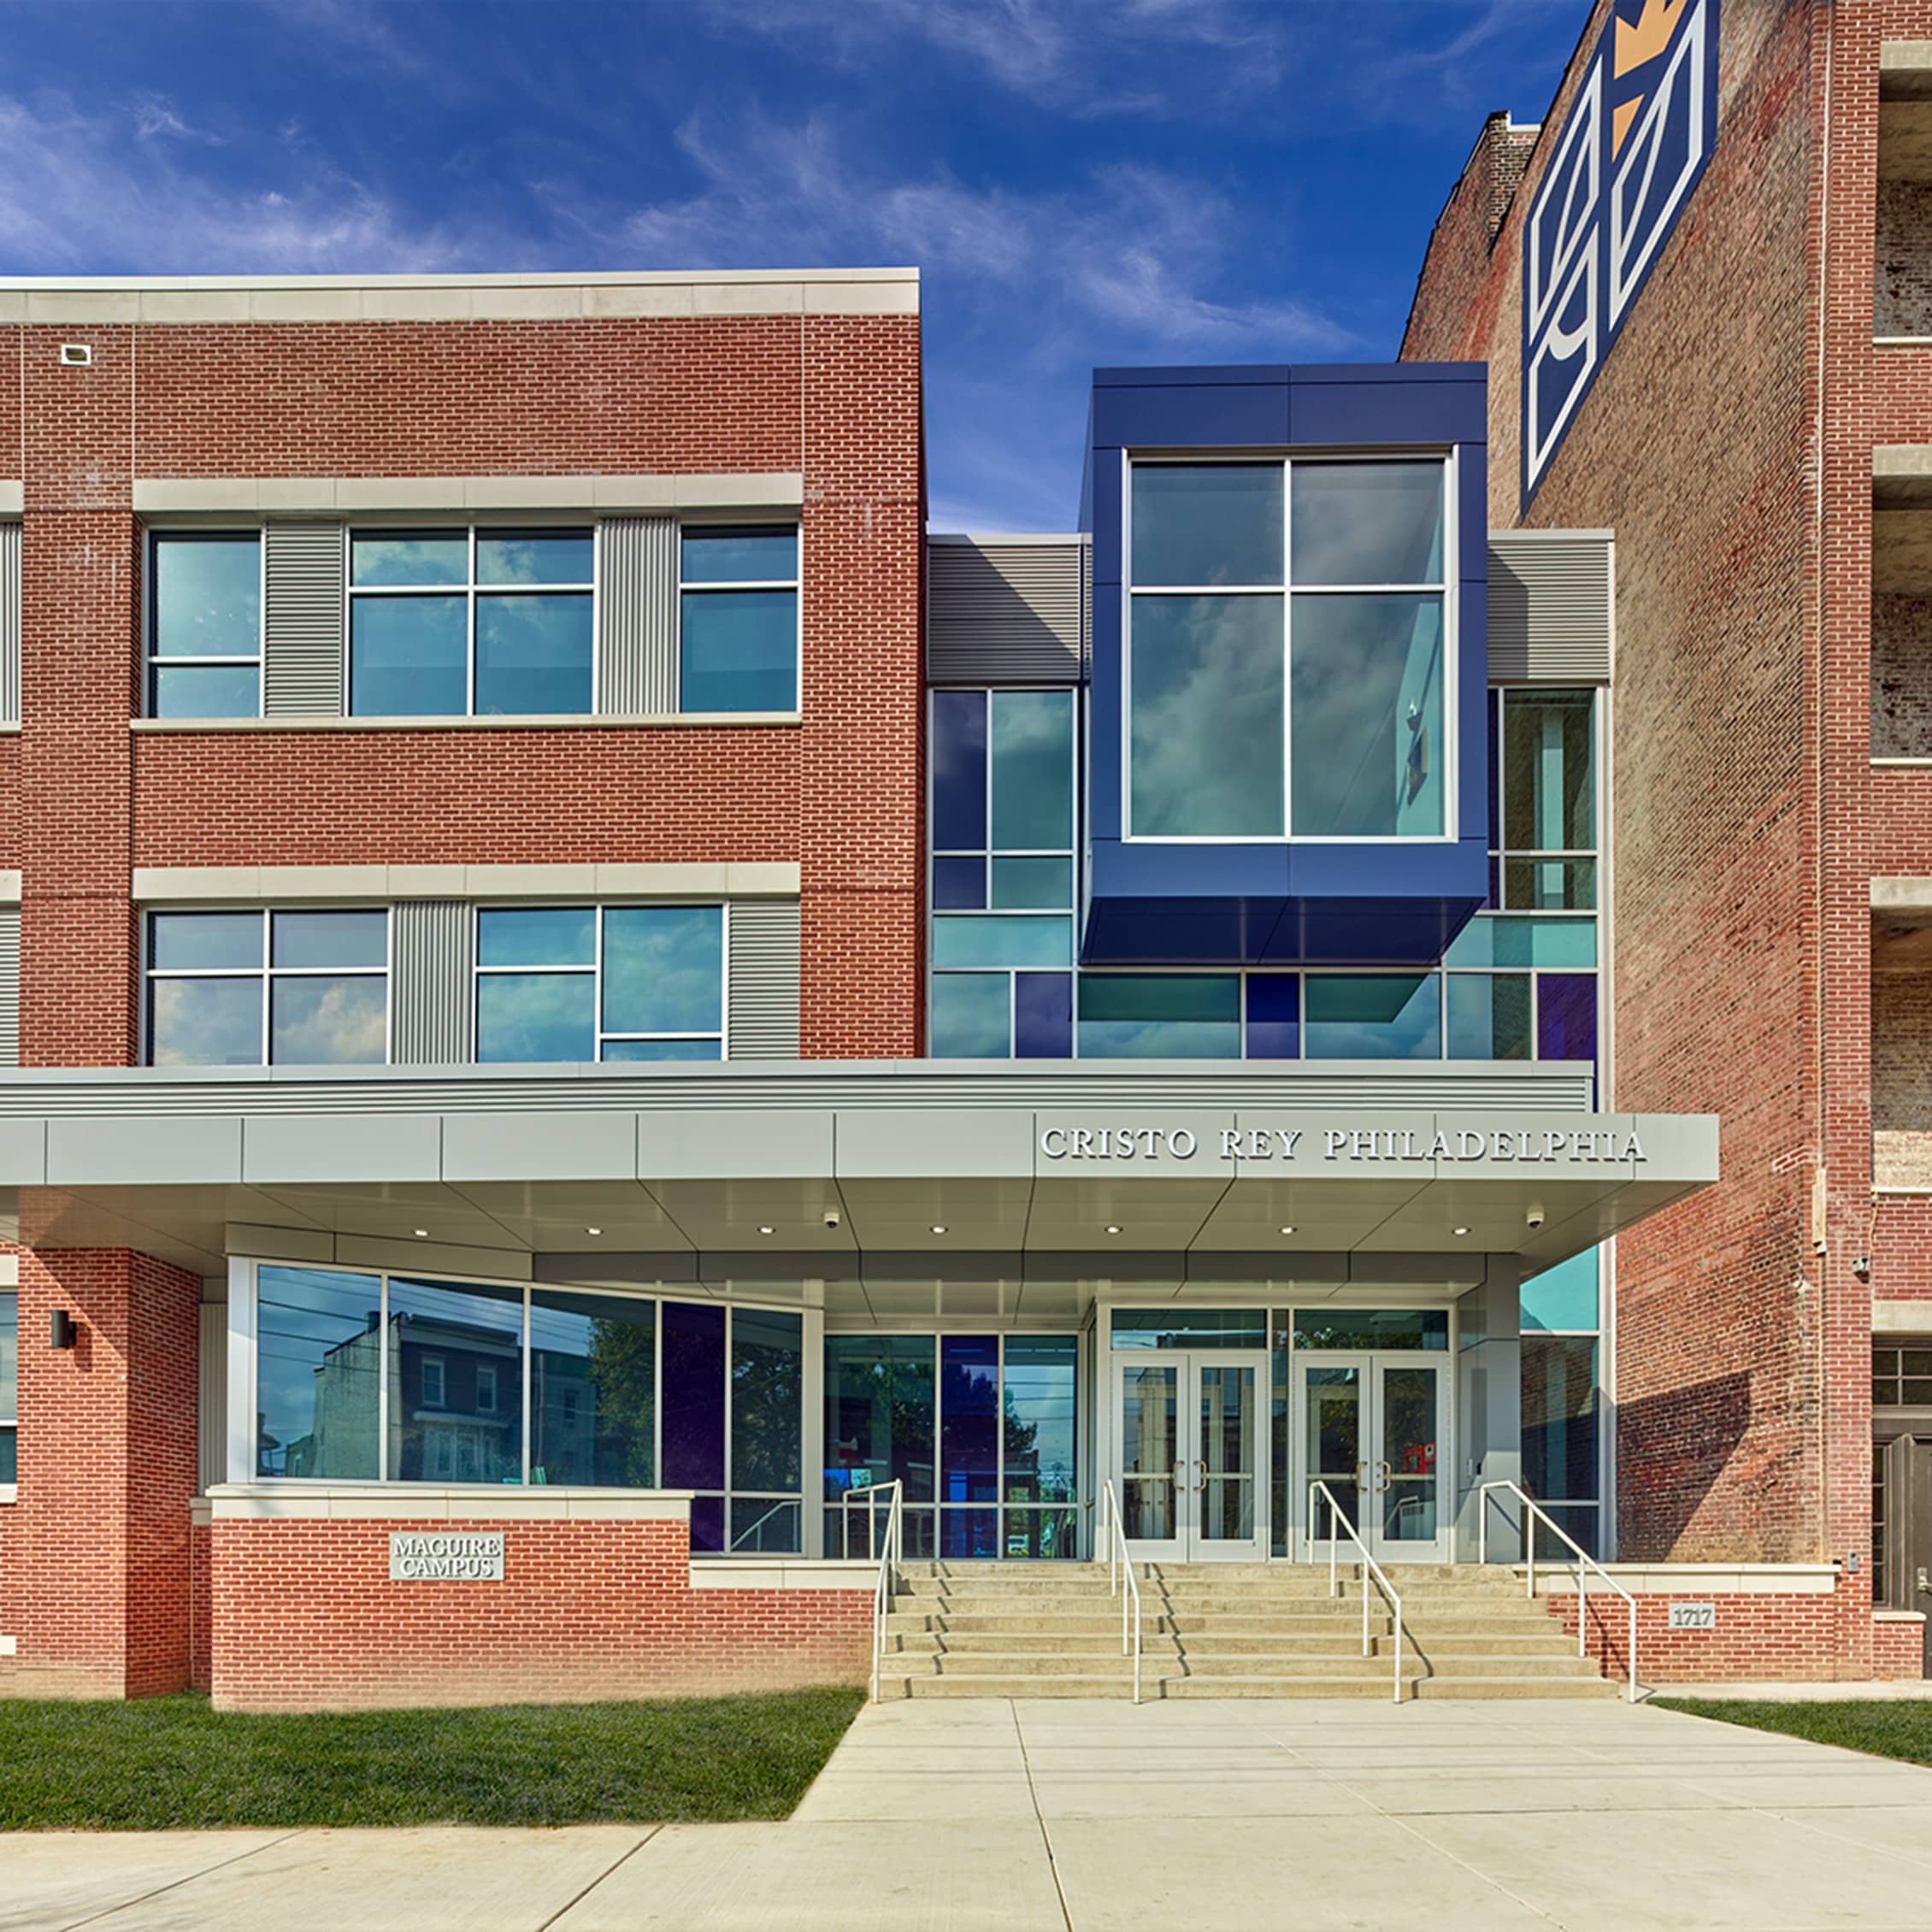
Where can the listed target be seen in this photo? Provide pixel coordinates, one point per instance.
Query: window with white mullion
(205, 624)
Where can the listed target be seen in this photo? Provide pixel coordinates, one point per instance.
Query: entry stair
(1051, 1629)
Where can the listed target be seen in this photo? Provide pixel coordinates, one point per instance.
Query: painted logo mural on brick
(1639, 132)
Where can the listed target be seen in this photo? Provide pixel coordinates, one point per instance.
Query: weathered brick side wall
(305, 1619)
(1901, 677)
(1901, 1079)
(94, 1558)
(1902, 290)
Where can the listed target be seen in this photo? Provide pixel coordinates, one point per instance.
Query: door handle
(1382, 1487)
(1922, 1583)
(1200, 1482)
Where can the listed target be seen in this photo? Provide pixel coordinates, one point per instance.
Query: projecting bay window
(471, 621)
(205, 624)
(738, 618)
(589, 982)
(1289, 665)
(255, 988)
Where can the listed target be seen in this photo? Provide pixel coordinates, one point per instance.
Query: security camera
(832, 1217)
(1534, 1218)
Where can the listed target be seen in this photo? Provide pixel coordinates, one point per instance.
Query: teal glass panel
(533, 557)
(998, 940)
(1549, 786)
(409, 657)
(972, 1016)
(738, 651)
(1196, 524)
(1160, 1016)
(207, 597)
(1372, 1328)
(329, 1020)
(1372, 1016)
(1039, 1406)
(768, 1385)
(1489, 1016)
(752, 554)
(522, 1016)
(186, 941)
(455, 1368)
(329, 939)
(593, 1390)
(1562, 1297)
(1033, 770)
(318, 1351)
(1206, 728)
(9, 1454)
(1503, 941)
(1365, 699)
(1549, 885)
(10, 1356)
(1045, 885)
(409, 556)
(537, 935)
(663, 968)
(204, 691)
(1190, 1327)
(1367, 523)
(533, 655)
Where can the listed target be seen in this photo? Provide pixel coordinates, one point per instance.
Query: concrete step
(1212, 1642)
(1279, 1663)
(1537, 1626)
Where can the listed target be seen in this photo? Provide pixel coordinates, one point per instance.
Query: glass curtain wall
(1561, 1406)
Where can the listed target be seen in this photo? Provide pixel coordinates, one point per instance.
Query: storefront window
(1190, 1327)
(593, 1390)
(455, 1383)
(318, 1374)
(1372, 1328)
(1559, 1428)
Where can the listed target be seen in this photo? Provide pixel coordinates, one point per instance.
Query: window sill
(1901, 765)
(1901, 342)
(627, 721)
(10, 1493)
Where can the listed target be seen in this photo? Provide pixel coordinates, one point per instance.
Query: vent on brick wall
(76, 355)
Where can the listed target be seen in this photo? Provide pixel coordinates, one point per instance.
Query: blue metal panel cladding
(1279, 902)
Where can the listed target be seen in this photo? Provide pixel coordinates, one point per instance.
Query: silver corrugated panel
(432, 983)
(302, 635)
(764, 980)
(213, 1421)
(1005, 613)
(1549, 606)
(637, 645)
(9, 623)
(1086, 608)
(9, 986)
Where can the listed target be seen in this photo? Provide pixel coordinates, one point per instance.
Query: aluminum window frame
(716, 525)
(470, 588)
(1448, 457)
(267, 973)
(594, 970)
(1501, 853)
(154, 535)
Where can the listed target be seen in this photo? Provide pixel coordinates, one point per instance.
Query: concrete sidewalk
(1096, 1817)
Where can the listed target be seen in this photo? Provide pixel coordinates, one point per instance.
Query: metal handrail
(1584, 1561)
(1118, 1558)
(865, 1496)
(887, 1584)
(1370, 1567)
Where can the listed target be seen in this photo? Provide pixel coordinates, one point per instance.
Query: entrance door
(1374, 1429)
(1192, 1454)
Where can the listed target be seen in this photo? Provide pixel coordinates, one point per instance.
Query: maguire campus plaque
(417, 1556)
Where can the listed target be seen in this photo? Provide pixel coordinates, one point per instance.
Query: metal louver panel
(1549, 606)
(213, 1421)
(432, 983)
(9, 985)
(302, 635)
(637, 645)
(9, 623)
(1005, 612)
(764, 980)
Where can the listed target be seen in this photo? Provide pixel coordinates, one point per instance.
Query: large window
(1562, 1400)
(367, 1377)
(1289, 655)
(204, 625)
(9, 1384)
(246, 989)
(738, 618)
(586, 982)
(444, 623)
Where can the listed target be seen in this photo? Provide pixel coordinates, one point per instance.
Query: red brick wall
(94, 1571)
(1898, 1649)
(305, 1617)
(201, 1606)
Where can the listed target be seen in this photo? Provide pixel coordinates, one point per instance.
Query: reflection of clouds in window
(423, 559)
(329, 1022)
(663, 969)
(1367, 523)
(1373, 1016)
(534, 557)
(1159, 1040)
(206, 1023)
(1207, 716)
(1033, 801)
(534, 1016)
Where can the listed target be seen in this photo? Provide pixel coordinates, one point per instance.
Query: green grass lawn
(170, 1762)
(1902, 1729)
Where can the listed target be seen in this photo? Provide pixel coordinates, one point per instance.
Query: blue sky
(1082, 181)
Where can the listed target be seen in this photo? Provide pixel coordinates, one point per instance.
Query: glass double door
(1192, 1454)
(1374, 1429)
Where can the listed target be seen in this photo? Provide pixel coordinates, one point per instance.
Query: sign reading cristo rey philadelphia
(417, 1556)
(1344, 1145)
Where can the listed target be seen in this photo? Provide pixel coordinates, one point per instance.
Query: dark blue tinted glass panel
(1372, 1328)
(959, 885)
(1039, 1407)
(536, 1016)
(1559, 1416)
(694, 1397)
(1160, 1016)
(969, 1419)
(706, 1526)
(593, 1390)
(533, 557)
(970, 1535)
(738, 651)
(1196, 524)
(663, 968)
(456, 1382)
(1206, 717)
(329, 939)
(533, 656)
(318, 1374)
(1043, 1016)
(1566, 1016)
(329, 1020)
(971, 1018)
(751, 554)
(879, 1417)
(1274, 1016)
(409, 556)
(204, 691)
(1374, 1016)
(207, 598)
(1493, 717)
(1190, 1327)
(537, 935)
(409, 657)
(1488, 1015)
(185, 940)
(1367, 523)
(767, 1383)
(959, 771)
(205, 1023)
(1033, 770)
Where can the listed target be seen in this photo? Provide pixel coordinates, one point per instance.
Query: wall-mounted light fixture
(61, 1329)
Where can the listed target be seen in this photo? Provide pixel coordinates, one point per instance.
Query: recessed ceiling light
(938, 1227)
(423, 1233)
(1112, 1228)
(768, 1230)
(1288, 1230)
(1458, 1230)
(593, 1230)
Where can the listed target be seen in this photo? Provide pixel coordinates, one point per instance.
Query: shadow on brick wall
(1672, 1449)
